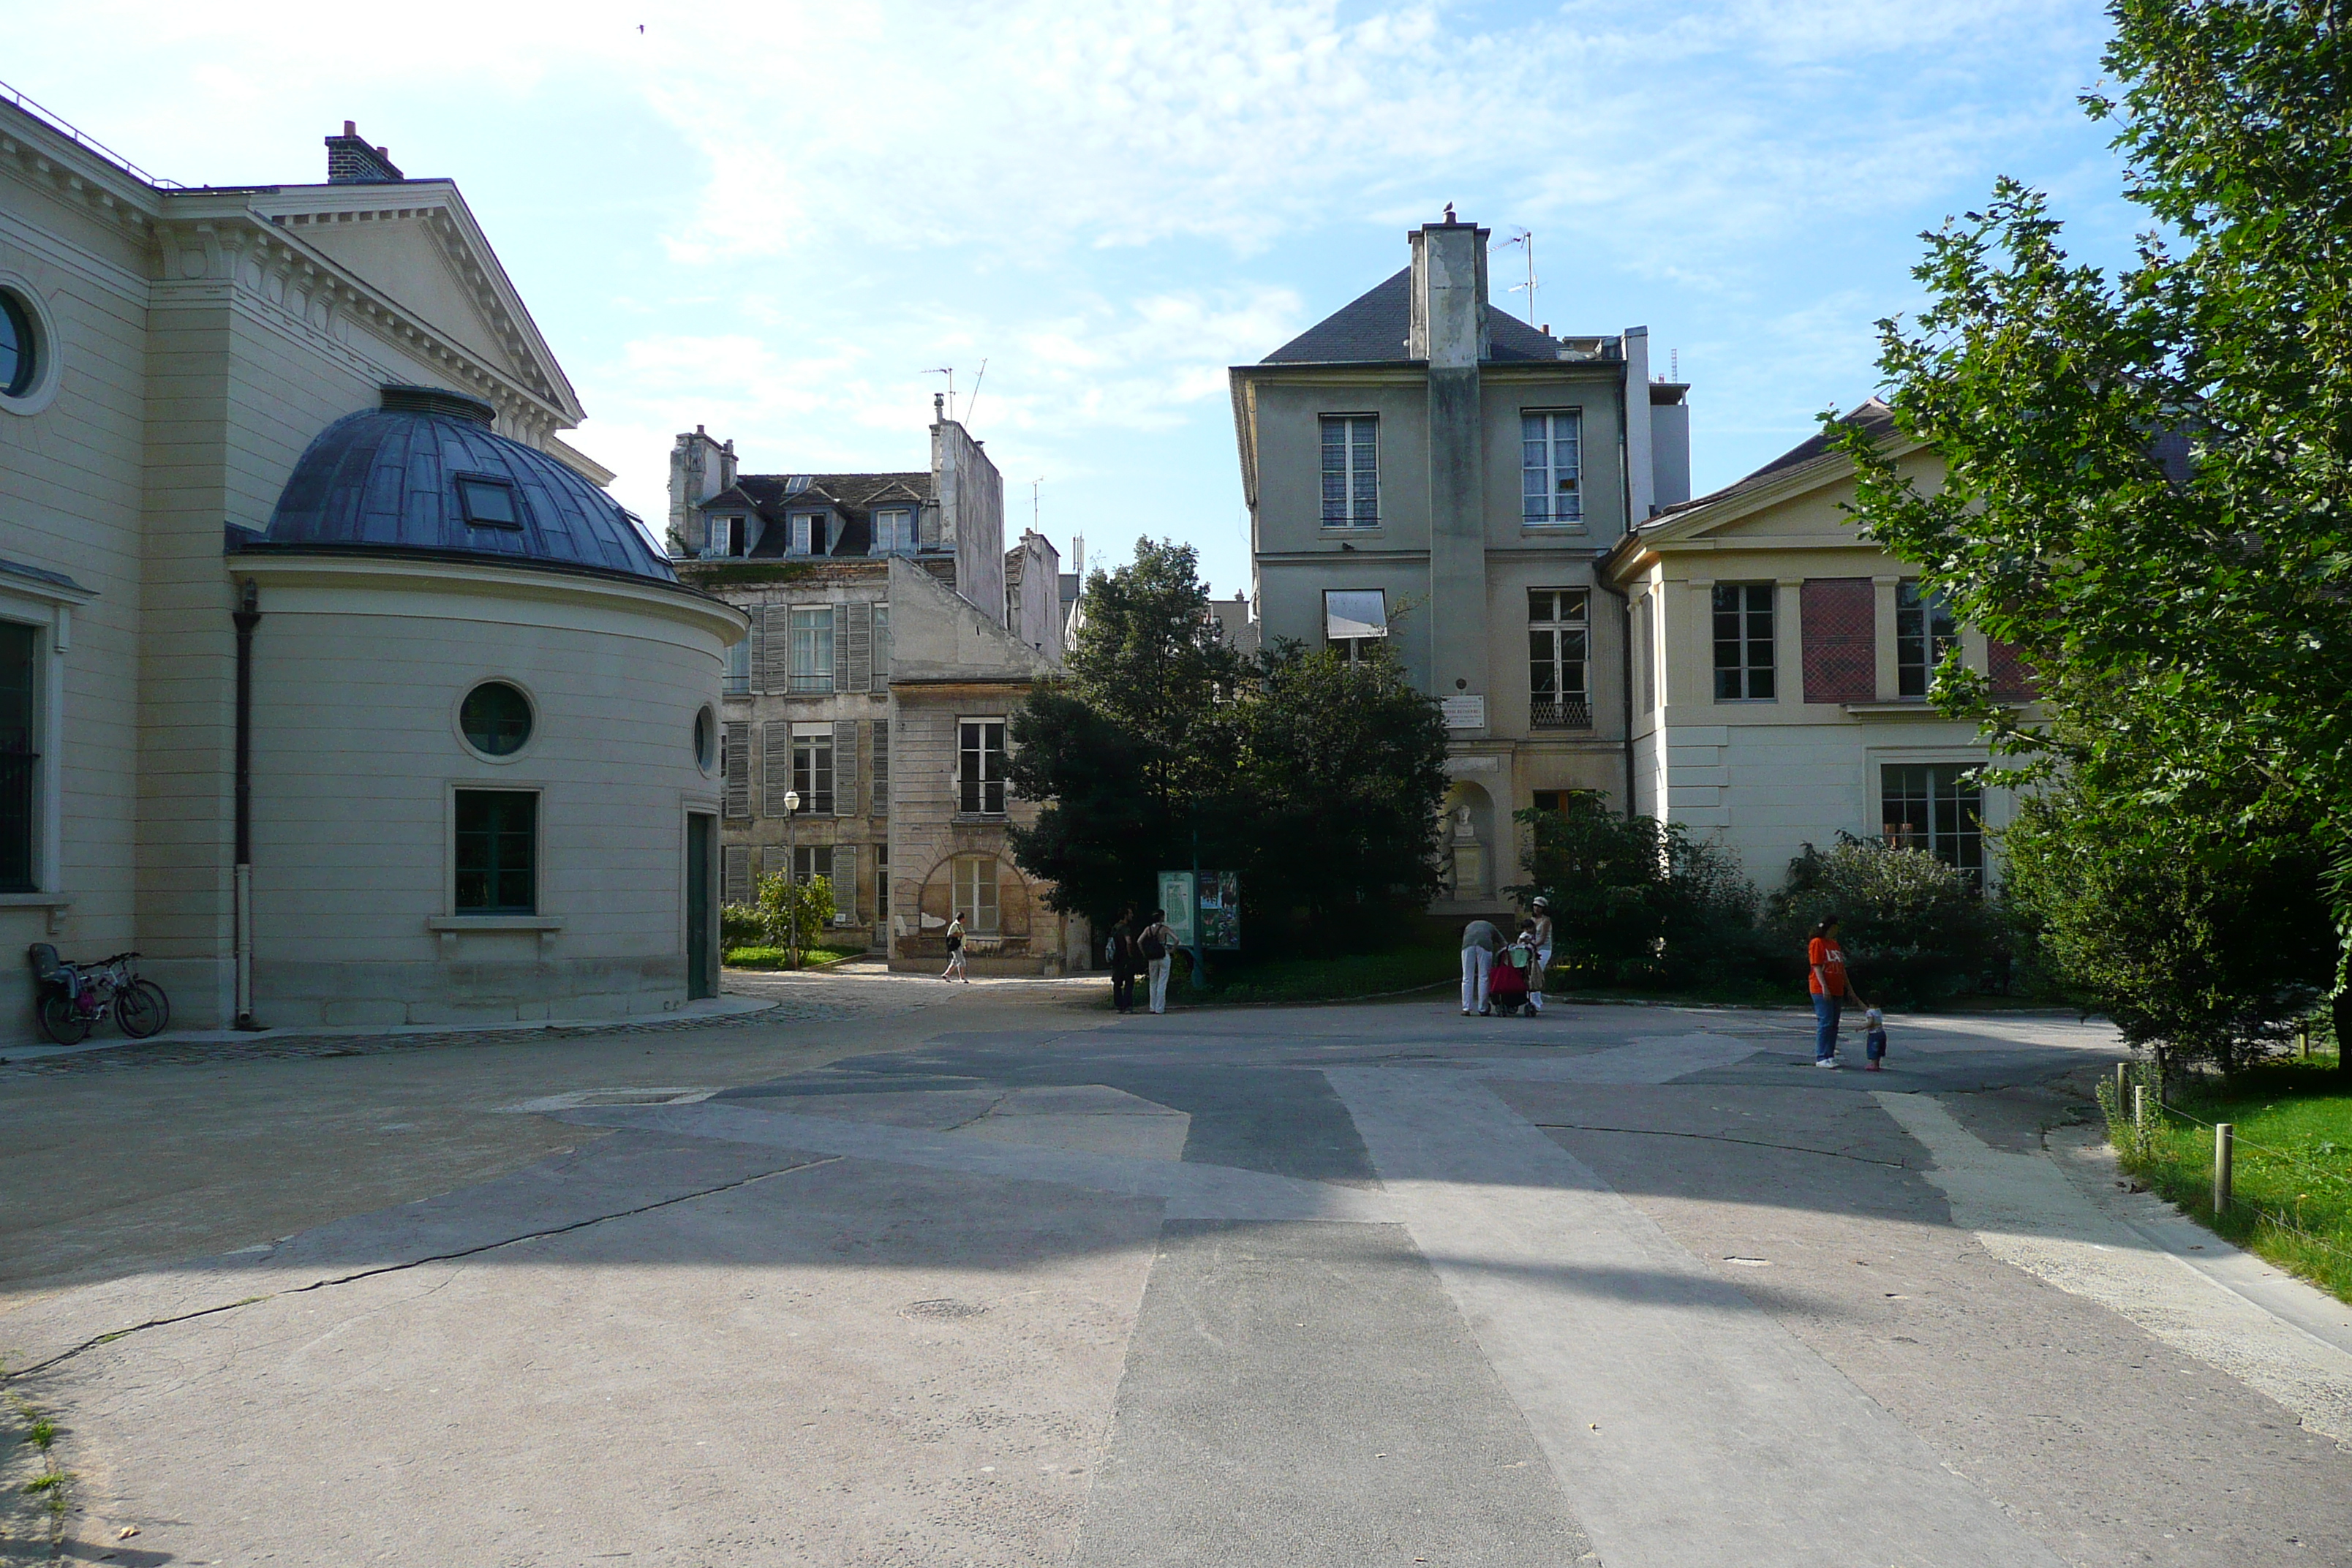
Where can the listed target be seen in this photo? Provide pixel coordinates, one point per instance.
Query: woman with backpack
(954, 970)
(1157, 944)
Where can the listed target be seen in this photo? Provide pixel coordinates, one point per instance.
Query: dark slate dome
(426, 472)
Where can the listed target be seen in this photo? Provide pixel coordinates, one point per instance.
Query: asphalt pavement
(911, 1274)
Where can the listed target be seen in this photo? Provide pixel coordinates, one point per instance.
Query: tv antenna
(973, 401)
(948, 371)
(1525, 240)
(1035, 486)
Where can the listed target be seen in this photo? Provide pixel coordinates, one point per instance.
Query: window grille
(1557, 698)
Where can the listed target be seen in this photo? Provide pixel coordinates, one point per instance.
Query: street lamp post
(791, 876)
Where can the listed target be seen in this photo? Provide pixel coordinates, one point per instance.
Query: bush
(1914, 929)
(741, 925)
(1636, 901)
(795, 915)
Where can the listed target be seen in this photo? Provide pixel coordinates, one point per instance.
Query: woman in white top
(1543, 953)
(954, 970)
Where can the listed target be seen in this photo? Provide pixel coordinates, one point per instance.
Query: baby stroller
(1507, 987)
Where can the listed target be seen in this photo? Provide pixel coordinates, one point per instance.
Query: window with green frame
(498, 852)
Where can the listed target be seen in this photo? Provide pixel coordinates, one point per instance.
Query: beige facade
(1845, 740)
(190, 344)
(1385, 453)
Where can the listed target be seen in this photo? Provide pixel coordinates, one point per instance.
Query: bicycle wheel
(141, 1009)
(61, 1020)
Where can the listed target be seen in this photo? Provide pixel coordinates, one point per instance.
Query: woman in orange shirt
(1826, 959)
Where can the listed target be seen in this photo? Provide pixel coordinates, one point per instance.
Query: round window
(20, 358)
(496, 719)
(706, 739)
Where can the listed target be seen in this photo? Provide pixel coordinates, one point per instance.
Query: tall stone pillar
(1449, 332)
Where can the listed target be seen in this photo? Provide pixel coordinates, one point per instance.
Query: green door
(702, 928)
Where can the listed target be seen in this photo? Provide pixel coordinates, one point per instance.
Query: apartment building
(864, 720)
(1430, 474)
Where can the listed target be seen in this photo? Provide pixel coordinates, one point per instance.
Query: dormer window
(725, 538)
(488, 503)
(894, 533)
(808, 533)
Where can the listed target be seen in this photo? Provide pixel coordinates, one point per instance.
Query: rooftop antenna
(1675, 362)
(948, 371)
(1035, 486)
(973, 401)
(1525, 240)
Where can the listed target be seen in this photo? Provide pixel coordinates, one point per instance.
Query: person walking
(1480, 942)
(1826, 962)
(1121, 957)
(954, 971)
(1543, 953)
(1157, 944)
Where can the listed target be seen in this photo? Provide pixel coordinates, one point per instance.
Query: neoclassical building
(330, 679)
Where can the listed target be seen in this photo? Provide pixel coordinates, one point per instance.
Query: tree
(1342, 774)
(2148, 477)
(1635, 900)
(794, 914)
(1914, 929)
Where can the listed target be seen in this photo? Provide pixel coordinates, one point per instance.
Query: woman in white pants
(1158, 945)
(1480, 942)
(1543, 953)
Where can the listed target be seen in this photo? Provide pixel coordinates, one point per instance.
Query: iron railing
(1566, 713)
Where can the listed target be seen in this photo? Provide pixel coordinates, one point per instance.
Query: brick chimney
(351, 161)
(1448, 323)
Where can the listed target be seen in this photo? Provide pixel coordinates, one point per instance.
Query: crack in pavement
(107, 1339)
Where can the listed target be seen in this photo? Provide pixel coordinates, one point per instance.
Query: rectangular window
(894, 533)
(811, 861)
(1551, 467)
(1355, 620)
(1551, 800)
(1645, 655)
(1935, 806)
(1555, 649)
(18, 762)
(739, 670)
(1924, 632)
(812, 767)
(488, 503)
(975, 894)
(980, 770)
(725, 536)
(813, 649)
(498, 852)
(1743, 642)
(808, 533)
(1352, 471)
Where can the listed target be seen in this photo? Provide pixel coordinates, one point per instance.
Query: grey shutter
(855, 666)
(845, 880)
(845, 767)
(882, 767)
(735, 768)
(775, 659)
(735, 881)
(776, 764)
(881, 647)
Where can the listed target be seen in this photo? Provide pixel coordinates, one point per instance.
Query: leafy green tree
(1913, 928)
(2148, 477)
(795, 915)
(1343, 776)
(1635, 900)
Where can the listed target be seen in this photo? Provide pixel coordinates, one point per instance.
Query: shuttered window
(1840, 627)
(811, 861)
(497, 852)
(1743, 642)
(844, 880)
(735, 767)
(980, 770)
(882, 767)
(735, 874)
(737, 682)
(776, 768)
(857, 647)
(881, 648)
(772, 660)
(844, 768)
(813, 649)
(812, 767)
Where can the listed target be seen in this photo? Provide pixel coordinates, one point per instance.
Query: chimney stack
(1449, 295)
(351, 161)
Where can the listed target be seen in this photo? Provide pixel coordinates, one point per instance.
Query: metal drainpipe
(1625, 678)
(246, 617)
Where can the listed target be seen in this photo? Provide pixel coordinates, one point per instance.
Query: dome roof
(426, 472)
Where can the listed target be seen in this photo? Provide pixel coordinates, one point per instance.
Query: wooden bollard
(2123, 1088)
(2140, 1114)
(2225, 1147)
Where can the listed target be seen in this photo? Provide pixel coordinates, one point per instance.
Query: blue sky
(772, 218)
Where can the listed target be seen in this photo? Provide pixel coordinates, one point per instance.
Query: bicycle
(76, 996)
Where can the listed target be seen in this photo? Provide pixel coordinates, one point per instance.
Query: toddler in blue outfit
(1874, 1043)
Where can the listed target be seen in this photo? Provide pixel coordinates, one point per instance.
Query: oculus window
(498, 852)
(706, 739)
(1935, 806)
(20, 351)
(495, 719)
(1352, 471)
(1743, 642)
(1551, 467)
(488, 503)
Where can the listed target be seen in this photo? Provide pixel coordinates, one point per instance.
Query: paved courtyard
(911, 1274)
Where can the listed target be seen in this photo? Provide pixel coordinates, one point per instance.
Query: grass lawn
(2292, 1174)
(782, 957)
(1315, 979)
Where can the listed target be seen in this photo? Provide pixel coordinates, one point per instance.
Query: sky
(777, 219)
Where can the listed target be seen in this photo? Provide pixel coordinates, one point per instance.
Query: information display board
(1221, 911)
(1176, 896)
